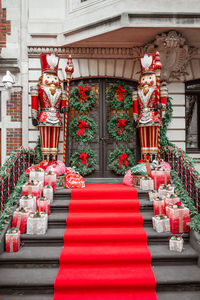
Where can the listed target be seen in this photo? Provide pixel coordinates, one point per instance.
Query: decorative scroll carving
(174, 54)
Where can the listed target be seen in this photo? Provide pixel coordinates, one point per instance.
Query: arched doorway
(102, 113)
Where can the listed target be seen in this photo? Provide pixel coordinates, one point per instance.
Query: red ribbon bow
(123, 158)
(83, 156)
(83, 90)
(120, 91)
(121, 124)
(82, 125)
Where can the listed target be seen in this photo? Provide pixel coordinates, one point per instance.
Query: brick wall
(5, 27)
(14, 139)
(14, 107)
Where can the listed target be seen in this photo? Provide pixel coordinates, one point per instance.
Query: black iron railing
(183, 166)
(11, 171)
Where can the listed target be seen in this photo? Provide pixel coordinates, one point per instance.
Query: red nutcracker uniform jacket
(145, 107)
(46, 107)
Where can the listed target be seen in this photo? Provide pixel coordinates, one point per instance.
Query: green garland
(123, 133)
(113, 97)
(82, 98)
(114, 161)
(185, 198)
(164, 141)
(87, 133)
(13, 199)
(83, 166)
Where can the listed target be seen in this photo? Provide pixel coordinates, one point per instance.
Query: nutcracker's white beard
(145, 97)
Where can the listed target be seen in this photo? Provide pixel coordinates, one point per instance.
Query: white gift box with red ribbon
(176, 243)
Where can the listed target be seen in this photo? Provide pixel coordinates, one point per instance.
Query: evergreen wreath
(120, 160)
(119, 96)
(82, 98)
(121, 127)
(83, 129)
(84, 161)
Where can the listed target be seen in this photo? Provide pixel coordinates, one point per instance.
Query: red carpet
(105, 254)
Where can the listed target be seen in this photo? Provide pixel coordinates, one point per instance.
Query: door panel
(102, 113)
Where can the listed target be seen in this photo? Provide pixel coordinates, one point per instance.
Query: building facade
(106, 39)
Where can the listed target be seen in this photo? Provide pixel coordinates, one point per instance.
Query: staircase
(29, 274)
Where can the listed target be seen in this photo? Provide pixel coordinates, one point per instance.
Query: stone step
(54, 236)
(170, 279)
(192, 295)
(58, 219)
(42, 256)
(175, 295)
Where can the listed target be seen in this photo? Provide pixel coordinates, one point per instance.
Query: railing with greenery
(186, 180)
(12, 177)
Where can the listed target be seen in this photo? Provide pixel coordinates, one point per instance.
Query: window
(192, 106)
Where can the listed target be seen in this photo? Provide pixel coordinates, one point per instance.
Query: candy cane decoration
(158, 135)
(191, 170)
(69, 70)
(186, 169)
(7, 170)
(22, 148)
(2, 186)
(19, 158)
(197, 192)
(13, 170)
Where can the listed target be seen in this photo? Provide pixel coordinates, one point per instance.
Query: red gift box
(19, 220)
(43, 205)
(160, 177)
(179, 218)
(159, 206)
(12, 240)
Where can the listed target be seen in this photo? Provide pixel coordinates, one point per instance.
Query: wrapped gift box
(32, 187)
(159, 206)
(19, 220)
(179, 218)
(28, 201)
(165, 189)
(160, 177)
(48, 192)
(161, 223)
(74, 180)
(50, 179)
(43, 205)
(176, 243)
(37, 223)
(37, 174)
(13, 240)
(153, 195)
(171, 199)
(146, 184)
(168, 210)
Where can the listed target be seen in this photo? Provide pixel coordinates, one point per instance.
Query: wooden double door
(102, 113)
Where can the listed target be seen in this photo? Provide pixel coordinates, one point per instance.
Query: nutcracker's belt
(49, 110)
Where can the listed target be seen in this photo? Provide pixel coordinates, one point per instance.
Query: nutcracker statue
(48, 100)
(149, 105)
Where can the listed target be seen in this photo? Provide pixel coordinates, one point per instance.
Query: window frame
(196, 92)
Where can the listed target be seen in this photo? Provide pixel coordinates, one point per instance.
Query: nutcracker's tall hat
(150, 63)
(49, 62)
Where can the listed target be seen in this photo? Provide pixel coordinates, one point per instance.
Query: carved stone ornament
(174, 54)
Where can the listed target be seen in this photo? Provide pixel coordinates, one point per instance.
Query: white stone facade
(105, 38)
